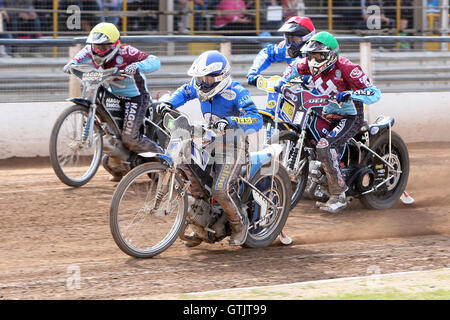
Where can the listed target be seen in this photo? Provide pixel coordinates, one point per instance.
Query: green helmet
(327, 46)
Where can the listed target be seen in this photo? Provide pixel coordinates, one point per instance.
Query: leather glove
(221, 125)
(343, 96)
(252, 78)
(66, 68)
(279, 85)
(131, 68)
(308, 82)
(162, 108)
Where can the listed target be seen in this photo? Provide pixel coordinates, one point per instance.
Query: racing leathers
(347, 116)
(132, 92)
(234, 105)
(270, 54)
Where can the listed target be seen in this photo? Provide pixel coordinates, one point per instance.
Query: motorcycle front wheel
(74, 160)
(141, 225)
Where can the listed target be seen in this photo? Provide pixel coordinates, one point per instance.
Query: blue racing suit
(235, 105)
(270, 54)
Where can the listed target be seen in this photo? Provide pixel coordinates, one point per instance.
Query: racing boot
(115, 175)
(335, 204)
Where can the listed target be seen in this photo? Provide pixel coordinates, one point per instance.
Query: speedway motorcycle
(375, 162)
(91, 127)
(169, 197)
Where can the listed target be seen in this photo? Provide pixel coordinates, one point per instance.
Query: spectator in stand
(232, 21)
(25, 24)
(182, 20)
(366, 14)
(406, 13)
(46, 18)
(91, 19)
(113, 5)
(4, 50)
(88, 20)
(290, 8)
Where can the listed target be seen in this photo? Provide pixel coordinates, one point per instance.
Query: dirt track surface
(51, 233)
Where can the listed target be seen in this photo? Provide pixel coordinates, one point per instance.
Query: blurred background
(33, 72)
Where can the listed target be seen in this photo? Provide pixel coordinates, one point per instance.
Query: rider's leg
(329, 151)
(132, 138)
(228, 163)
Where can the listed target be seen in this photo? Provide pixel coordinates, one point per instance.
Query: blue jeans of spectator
(114, 20)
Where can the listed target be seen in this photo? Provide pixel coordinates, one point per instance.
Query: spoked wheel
(287, 157)
(74, 160)
(264, 232)
(144, 222)
(389, 193)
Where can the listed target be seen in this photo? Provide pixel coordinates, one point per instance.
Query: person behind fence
(296, 31)
(373, 15)
(228, 107)
(105, 50)
(333, 74)
(4, 50)
(25, 22)
(236, 21)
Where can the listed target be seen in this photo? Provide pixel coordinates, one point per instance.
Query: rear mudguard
(382, 124)
(264, 156)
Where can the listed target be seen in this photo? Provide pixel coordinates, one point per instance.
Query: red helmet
(300, 27)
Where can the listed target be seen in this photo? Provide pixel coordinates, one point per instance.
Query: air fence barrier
(420, 108)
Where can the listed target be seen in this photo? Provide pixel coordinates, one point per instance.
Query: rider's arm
(182, 95)
(144, 62)
(149, 64)
(81, 57)
(249, 119)
(362, 88)
(270, 54)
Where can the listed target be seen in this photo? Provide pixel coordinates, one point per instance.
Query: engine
(207, 220)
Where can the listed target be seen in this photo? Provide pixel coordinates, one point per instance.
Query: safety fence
(56, 18)
(42, 79)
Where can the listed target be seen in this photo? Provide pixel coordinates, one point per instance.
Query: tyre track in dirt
(48, 230)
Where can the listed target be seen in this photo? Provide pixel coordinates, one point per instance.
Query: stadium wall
(420, 117)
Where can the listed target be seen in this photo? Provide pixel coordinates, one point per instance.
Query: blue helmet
(212, 74)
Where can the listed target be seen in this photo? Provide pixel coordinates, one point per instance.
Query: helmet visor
(205, 81)
(318, 56)
(102, 49)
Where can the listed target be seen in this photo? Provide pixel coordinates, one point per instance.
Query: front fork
(88, 130)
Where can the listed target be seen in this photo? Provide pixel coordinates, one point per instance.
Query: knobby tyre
(138, 228)
(74, 162)
(263, 236)
(388, 197)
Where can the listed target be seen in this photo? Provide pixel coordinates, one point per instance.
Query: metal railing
(42, 79)
(327, 14)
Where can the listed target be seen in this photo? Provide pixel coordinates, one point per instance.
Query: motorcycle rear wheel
(280, 195)
(288, 139)
(75, 162)
(138, 228)
(386, 199)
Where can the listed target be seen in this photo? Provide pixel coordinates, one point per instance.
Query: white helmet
(212, 74)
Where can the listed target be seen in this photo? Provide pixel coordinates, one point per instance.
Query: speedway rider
(296, 31)
(227, 107)
(333, 74)
(104, 49)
